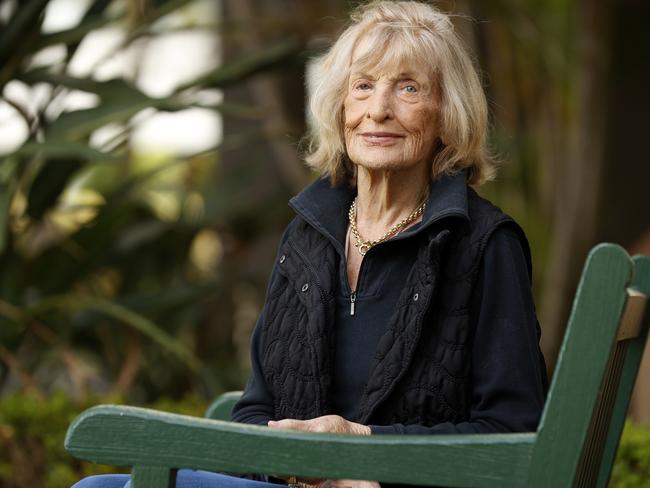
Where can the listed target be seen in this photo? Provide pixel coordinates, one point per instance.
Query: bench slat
(133, 436)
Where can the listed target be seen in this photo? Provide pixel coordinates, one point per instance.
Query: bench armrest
(133, 436)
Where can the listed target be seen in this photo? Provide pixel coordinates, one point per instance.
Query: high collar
(325, 207)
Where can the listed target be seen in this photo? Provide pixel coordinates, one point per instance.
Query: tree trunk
(579, 180)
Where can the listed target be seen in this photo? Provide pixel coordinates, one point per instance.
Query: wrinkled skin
(390, 117)
(332, 424)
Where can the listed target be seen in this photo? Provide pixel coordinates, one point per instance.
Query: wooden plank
(132, 436)
(632, 315)
(633, 359)
(221, 408)
(581, 366)
(152, 477)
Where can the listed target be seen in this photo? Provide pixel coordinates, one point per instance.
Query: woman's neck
(386, 197)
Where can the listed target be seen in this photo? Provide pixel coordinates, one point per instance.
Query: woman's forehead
(392, 68)
(389, 57)
(396, 74)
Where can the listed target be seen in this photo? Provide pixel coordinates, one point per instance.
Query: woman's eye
(363, 86)
(410, 89)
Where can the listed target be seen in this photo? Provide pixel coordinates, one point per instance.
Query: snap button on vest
(305, 287)
(416, 297)
(282, 258)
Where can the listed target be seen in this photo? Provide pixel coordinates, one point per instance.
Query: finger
(290, 424)
(342, 483)
(313, 425)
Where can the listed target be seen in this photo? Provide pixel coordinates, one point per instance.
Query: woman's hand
(348, 484)
(328, 423)
(332, 424)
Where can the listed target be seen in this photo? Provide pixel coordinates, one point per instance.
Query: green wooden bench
(575, 443)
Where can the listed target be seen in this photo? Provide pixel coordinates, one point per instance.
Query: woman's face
(390, 118)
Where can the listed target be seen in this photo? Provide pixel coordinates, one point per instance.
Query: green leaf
(166, 7)
(248, 65)
(50, 183)
(123, 314)
(24, 19)
(5, 201)
(109, 91)
(249, 112)
(75, 126)
(120, 102)
(62, 149)
(95, 21)
(143, 325)
(7, 184)
(75, 34)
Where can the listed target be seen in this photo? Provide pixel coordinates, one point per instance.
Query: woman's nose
(380, 105)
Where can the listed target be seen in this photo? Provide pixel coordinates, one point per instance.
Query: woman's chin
(392, 165)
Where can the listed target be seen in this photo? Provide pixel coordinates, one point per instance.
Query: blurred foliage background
(134, 271)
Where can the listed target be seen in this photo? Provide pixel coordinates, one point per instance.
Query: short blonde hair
(402, 30)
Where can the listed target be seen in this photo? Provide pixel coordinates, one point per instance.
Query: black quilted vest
(420, 374)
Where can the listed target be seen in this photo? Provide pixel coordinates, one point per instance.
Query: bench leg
(152, 477)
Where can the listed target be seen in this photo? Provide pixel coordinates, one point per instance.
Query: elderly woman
(400, 300)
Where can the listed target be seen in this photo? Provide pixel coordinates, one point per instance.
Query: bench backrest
(574, 446)
(595, 373)
(221, 408)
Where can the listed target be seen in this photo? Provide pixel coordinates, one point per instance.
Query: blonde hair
(399, 31)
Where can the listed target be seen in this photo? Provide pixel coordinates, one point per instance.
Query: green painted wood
(581, 366)
(633, 358)
(121, 435)
(221, 408)
(144, 438)
(152, 477)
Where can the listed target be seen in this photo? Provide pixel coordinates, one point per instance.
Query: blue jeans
(185, 478)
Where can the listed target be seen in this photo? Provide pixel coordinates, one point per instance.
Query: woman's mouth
(380, 138)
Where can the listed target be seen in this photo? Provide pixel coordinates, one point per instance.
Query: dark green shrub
(632, 467)
(32, 432)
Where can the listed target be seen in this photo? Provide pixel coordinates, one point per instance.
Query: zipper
(354, 293)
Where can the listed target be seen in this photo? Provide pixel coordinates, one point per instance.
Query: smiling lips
(380, 138)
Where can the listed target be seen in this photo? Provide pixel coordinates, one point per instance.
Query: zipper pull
(353, 298)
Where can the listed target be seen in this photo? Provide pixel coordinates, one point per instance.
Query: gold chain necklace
(364, 246)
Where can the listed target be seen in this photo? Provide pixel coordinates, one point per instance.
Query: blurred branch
(140, 22)
(75, 370)
(124, 315)
(250, 112)
(97, 19)
(61, 149)
(75, 34)
(8, 169)
(49, 337)
(148, 17)
(255, 61)
(12, 362)
(29, 120)
(130, 365)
